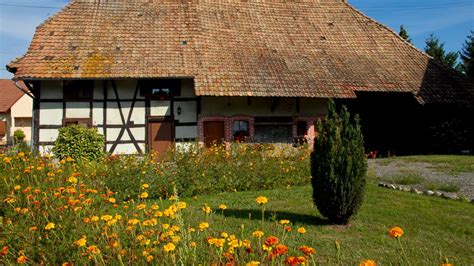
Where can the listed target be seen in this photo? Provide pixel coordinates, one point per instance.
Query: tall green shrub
(338, 166)
(79, 143)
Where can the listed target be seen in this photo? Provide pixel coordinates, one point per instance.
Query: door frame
(157, 119)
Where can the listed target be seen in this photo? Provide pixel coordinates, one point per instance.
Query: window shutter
(3, 128)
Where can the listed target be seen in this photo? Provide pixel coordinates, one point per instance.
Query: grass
(402, 179)
(449, 164)
(442, 187)
(434, 227)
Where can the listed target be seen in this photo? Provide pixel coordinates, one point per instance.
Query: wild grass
(449, 164)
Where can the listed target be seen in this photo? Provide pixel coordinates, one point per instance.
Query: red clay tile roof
(9, 95)
(305, 48)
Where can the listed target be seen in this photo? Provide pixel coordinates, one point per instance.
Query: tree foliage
(78, 142)
(467, 53)
(436, 49)
(404, 34)
(338, 166)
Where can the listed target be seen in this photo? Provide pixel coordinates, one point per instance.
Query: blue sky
(450, 20)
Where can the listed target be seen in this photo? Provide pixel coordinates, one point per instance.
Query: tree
(404, 34)
(338, 166)
(467, 53)
(436, 49)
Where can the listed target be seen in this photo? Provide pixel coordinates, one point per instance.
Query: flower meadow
(69, 212)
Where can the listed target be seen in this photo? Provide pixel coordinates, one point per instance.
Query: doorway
(214, 133)
(160, 135)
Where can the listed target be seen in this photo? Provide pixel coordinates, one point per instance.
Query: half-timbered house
(150, 73)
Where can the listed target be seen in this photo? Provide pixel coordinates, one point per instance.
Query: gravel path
(465, 181)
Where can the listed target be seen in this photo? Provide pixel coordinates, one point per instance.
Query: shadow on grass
(274, 216)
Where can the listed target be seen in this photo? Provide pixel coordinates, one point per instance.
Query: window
(85, 122)
(78, 89)
(22, 121)
(274, 129)
(160, 89)
(240, 130)
(301, 128)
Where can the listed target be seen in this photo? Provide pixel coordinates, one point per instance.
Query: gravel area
(465, 181)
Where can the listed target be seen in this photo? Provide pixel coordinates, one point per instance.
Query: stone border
(445, 195)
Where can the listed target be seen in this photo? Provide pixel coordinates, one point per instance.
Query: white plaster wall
(188, 111)
(48, 135)
(187, 89)
(51, 114)
(52, 89)
(186, 132)
(113, 113)
(97, 114)
(160, 108)
(125, 89)
(23, 108)
(112, 134)
(261, 106)
(77, 109)
(138, 114)
(126, 148)
(138, 133)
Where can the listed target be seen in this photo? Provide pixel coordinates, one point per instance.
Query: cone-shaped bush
(338, 166)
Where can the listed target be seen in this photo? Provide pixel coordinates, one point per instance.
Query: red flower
(280, 249)
(271, 240)
(291, 261)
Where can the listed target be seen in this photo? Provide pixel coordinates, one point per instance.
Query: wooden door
(213, 133)
(160, 136)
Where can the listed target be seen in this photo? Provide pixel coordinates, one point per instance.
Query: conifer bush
(338, 166)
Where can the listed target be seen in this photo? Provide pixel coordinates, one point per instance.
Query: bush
(78, 142)
(200, 170)
(19, 136)
(338, 166)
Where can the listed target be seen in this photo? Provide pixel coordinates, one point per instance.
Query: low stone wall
(441, 194)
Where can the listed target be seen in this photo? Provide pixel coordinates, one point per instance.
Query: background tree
(338, 166)
(467, 62)
(404, 34)
(436, 49)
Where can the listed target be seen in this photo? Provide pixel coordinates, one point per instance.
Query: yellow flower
(49, 226)
(181, 205)
(133, 221)
(144, 195)
(106, 217)
(145, 186)
(81, 242)
(368, 263)
(258, 234)
(141, 206)
(203, 226)
(169, 247)
(21, 259)
(33, 228)
(206, 209)
(395, 232)
(9, 199)
(284, 221)
(261, 200)
(149, 258)
(17, 187)
(72, 179)
(224, 235)
(111, 200)
(155, 207)
(94, 218)
(301, 230)
(253, 263)
(222, 207)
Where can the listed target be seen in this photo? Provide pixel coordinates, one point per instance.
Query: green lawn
(434, 227)
(450, 164)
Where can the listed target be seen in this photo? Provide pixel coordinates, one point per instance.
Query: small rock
(438, 194)
(419, 192)
(429, 193)
(406, 189)
(413, 190)
(392, 186)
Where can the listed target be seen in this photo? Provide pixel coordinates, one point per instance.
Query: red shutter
(3, 128)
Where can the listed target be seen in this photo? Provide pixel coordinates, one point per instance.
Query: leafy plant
(338, 166)
(19, 136)
(78, 142)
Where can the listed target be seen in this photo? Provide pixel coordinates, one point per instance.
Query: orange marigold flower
(280, 249)
(4, 251)
(271, 240)
(301, 230)
(291, 261)
(222, 206)
(288, 228)
(21, 259)
(203, 226)
(258, 234)
(284, 221)
(307, 250)
(395, 232)
(368, 263)
(50, 226)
